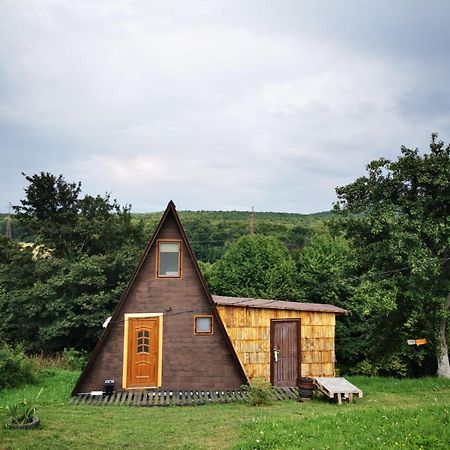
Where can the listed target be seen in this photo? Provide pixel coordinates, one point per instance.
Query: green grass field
(410, 414)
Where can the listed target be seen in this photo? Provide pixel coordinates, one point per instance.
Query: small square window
(203, 325)
(169, 259)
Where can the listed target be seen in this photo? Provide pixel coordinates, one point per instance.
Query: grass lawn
(411, 414)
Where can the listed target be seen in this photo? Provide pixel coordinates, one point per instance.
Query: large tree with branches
(397, 217)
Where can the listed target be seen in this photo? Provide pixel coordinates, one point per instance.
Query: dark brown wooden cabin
(168, 332)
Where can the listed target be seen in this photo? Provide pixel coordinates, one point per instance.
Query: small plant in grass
(258, 392)
(22, 414)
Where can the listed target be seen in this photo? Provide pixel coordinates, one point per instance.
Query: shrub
(390, 367)
(258, 392)
(366, 368)
(394, 367)
(72, 359)
(69, 359)
(15, 368)
(42, 362)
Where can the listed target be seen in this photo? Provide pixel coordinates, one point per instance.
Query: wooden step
(337, 387)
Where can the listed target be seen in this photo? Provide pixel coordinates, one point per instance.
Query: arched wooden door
(143, 352)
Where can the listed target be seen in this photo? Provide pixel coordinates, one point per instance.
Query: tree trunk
(442, 356)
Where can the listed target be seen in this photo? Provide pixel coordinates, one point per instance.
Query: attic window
(169, 259)
(203, 325)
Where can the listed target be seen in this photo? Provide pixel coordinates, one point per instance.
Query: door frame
(127, 317)
(272, 367)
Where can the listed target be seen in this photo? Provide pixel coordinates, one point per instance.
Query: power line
(232, 238)
(171, 312)
(400, 269)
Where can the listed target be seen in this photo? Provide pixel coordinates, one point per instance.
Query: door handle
(275, 355)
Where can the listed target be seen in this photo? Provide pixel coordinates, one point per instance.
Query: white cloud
(225, 104)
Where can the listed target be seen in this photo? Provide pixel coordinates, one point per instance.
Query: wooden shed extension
(251, 325)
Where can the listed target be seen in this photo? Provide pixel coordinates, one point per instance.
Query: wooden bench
(337, 387)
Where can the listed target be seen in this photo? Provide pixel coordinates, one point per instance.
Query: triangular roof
(170, 209)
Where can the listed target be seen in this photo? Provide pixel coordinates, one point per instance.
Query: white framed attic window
(169, 259)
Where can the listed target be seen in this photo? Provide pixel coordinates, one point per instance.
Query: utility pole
(252, 222)
(8, 220)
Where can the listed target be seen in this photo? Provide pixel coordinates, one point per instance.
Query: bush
(15, 368)
(394, 366)
(258, 392)
(72, 359)
(390, 367)
(365, 368)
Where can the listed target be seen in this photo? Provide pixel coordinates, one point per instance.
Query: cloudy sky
(217, 104)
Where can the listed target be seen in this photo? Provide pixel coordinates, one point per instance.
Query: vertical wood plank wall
(249, 331)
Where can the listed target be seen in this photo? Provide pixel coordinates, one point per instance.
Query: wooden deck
(338, 388)
(163, 397)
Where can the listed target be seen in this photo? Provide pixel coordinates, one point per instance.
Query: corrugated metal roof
(277, 304)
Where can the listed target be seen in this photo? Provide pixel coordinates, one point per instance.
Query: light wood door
(285, 357)
(143, 352)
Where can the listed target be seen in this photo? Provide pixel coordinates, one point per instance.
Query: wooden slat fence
(165, 397)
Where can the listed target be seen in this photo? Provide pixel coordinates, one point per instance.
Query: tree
(55, 214)
(255, 266)
(49, 210)
(324, 268)
(17, 278)
(397, 219)
(57, 293)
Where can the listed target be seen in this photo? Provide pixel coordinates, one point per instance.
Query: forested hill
(386, 261)
(210, 231)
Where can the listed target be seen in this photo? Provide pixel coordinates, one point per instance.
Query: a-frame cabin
(166, 331)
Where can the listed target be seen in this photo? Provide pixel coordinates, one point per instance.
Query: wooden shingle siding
(249, 330)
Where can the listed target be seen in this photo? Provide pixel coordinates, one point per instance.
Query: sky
(217, 105)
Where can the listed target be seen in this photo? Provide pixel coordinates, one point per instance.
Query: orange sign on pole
(417, 341)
